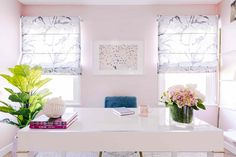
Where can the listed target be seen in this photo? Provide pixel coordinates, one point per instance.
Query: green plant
(28, 81)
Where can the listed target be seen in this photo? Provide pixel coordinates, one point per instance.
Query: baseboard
(6, 149)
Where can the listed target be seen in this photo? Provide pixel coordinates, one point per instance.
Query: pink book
(62, 121)
(53, 126)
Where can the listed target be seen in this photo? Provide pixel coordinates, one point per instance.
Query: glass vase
(181, 115)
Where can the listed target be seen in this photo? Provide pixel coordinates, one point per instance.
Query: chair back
(120, 101)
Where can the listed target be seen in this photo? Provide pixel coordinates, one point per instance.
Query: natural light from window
(206, 83)
(228, 93)
(64, 86)
(184, 79)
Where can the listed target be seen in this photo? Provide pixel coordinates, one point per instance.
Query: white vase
(54, 108)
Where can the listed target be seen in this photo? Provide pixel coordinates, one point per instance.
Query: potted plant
(27, 96)
(182, 101)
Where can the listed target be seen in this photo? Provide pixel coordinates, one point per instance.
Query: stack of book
(43, 122)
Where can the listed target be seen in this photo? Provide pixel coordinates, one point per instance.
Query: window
(67, 86)
(206, 83)
(54, 44)
(228, 79)
(187, 51)
(227, 93)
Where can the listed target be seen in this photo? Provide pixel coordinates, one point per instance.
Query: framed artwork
(118, 57)
(233, 11)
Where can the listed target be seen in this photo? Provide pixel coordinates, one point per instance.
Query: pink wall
(119, 23)
(227, 118)
(10, 12)
(228, 29)
(227, 111)
(209, 115)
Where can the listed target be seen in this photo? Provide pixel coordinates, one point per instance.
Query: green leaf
(16, 80)
(8, 78)
(22, 70)
(35, 102)
(35, 74)
(6, 109)
(168, 104)
(9, 90)
(20, 118)
(201, 106)
(22, 111)
(19, 97)
(44, 93)
(21, 83)
(14, 98)
(24, 116)
(8, 121)
(40, 83)
(200, 101)
(195, 107)
(5, 103)
(36, 112)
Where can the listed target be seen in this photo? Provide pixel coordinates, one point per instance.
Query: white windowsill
(228, 107)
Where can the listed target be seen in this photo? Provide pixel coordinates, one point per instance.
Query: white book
(122, 111)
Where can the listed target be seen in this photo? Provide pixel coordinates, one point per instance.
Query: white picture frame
(118, 58)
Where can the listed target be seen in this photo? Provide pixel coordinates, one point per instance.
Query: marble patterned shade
(52, 42)
(187, 43)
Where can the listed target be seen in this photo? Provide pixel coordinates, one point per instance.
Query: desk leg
(100, 154)
(23, 154)
(173, 154)
(140, 154)
(218, 154)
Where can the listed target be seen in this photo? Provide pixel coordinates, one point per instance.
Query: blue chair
(120, 101)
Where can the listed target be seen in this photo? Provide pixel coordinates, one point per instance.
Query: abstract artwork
(233, 11)
(118, 57)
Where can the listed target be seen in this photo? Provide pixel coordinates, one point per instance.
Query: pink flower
(182, 96)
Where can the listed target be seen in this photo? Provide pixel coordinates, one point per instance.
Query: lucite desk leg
(173, 154)
(23, 154)
(218, 154)
(63, 154)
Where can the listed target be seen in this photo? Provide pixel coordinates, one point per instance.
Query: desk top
(100, 129)
(104, 119)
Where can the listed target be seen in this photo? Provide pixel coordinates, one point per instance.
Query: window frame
(76, 78)
(210, 85)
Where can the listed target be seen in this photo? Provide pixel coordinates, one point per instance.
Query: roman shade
(187, 44)
(52, 42)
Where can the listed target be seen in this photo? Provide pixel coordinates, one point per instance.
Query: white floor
(108, 154)
(127, 154)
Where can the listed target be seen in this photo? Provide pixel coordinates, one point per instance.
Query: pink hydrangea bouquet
(183, 96)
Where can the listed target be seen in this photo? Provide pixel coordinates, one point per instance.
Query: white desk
(99, 129)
